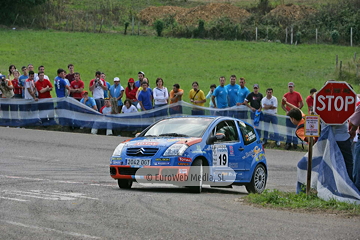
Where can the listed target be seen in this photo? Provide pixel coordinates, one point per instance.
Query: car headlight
(176, 150)
(118, 149)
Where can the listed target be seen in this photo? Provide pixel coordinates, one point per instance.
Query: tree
(10, 8)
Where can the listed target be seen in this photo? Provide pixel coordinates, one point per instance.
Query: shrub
(335, 37)
(159, 26)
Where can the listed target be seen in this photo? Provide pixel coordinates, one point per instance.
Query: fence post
(67, 18)
(46, 21)
(286, 33)
(316, 36)
(256, 34)
(336, 61)
(357, 70)
(291, 35)
(351, 36)
(94, 25)
(102, 21)
(354, 56)
(138, 27)
(132, 24)
(340, 68)
(87, 21)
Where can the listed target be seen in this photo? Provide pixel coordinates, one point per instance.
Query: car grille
(127, 171)
(132, 171)
(148, 152)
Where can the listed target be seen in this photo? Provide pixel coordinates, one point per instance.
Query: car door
(226, 152)
(249, 144)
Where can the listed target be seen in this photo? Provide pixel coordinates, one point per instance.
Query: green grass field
(175, 60)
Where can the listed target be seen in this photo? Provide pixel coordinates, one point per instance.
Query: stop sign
(335, 102)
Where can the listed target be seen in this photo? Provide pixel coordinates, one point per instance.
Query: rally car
(207, 146)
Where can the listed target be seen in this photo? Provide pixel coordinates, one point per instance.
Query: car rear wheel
(197, 172)
(125, 183)
(258, 180)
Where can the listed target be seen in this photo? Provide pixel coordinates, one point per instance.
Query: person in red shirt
(130, 92)
(295, 99)
(15, 83)
(310, 101)
(43, 86)
(77, 87)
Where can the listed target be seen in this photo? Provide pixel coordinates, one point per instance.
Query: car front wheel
(124, 183)
(258, 180)
(197, 172)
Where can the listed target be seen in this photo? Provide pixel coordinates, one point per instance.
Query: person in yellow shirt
(197, 97)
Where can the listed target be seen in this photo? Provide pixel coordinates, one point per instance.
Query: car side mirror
(217, 137)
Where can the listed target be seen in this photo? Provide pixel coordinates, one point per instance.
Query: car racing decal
(257, 154)
(220, 155)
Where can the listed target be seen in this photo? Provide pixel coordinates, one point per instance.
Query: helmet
(2, 77)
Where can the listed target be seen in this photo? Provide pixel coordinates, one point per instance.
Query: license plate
(139, 162)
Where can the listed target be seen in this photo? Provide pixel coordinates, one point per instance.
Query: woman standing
(15, 83)
(161, 96)
(12, 68)
(130, 92)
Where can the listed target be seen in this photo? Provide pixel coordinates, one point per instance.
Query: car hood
(160, 142)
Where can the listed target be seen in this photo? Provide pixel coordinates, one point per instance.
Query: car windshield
(179, 127)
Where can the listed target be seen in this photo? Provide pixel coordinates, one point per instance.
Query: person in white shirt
(40, 69)
(269, 107)
(161, 97)
(128, 107)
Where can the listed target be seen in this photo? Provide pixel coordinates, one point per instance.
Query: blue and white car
(193, 142)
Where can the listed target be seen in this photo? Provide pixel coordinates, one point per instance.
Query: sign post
(312, 129)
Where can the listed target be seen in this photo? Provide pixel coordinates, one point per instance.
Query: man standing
(60, 84)
(141, 76)
(197, 97)
(310, 101)
(295, 99)
(269, 105)
(44, 87)
(22, 80)
(253, 101)
(71, 75)
(243, 92)
(76, 87)
(175, 96)
(30, 89)
(108, 85)
(41, 69)
(221, 96)
(6, 88)
(233, 93)
(97, 86)
(354, 122)
(116, 94)
(145, 97)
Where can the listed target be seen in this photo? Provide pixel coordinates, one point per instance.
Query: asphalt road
(56, 185)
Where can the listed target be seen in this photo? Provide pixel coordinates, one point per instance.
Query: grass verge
(302, 203)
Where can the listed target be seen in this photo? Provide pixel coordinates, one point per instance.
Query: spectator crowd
(234, 98)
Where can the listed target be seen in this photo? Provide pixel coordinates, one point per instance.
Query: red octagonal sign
(335, 102)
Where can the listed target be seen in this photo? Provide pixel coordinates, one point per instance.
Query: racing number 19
(222, 160)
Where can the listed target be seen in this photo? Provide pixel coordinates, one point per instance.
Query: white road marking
(15, 199)
(50, 229)
(58, 181)
(56, 195)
